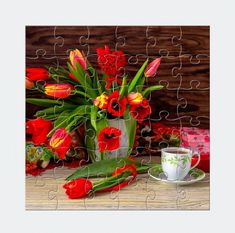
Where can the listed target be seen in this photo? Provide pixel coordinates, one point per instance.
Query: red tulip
(151, 69)
(139, 112)
(130, 167)
(109, 139)
(36, 74)
(58, 90)
(116, 106)
(60, 142)
(78, 188)
(39, 128)
(77, 56)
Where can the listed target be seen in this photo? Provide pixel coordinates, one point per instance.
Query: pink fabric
(197, 139)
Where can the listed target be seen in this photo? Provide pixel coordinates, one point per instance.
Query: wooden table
(46, 193)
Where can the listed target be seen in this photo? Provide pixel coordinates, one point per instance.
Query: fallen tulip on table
(118, 173)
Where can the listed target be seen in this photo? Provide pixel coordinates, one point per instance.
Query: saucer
(194, 176)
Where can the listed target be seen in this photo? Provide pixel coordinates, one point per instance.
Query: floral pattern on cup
(174, 160)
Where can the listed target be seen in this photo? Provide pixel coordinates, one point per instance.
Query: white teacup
(176, 162)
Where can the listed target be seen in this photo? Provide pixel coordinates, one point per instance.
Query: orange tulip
(76, 55)
(101, 101)
(151, 69)
(58, 90)
(29, 84)
(135, 98)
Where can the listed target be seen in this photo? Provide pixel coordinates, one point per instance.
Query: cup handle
(198, 160)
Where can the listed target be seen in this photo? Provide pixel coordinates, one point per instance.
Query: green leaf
(82, 110)
(60, 74)
(102, 123)
(48, 111)
(62, 117)
(124, 87)
(75, 73)
(83, 94)
(79, 100)
(83, 79)
(50, 117)
(59, 70)
(78, 71)
(103, 83)
(140, 84)
(99, 87)
(74, 122)
(131, 129)
(48, 102)
(111, 181)
(137, 76)
(94, 110)
(101, 168)
(53, 110)
(96, 83)
(147, 91)
(79, 111)
(83, 74)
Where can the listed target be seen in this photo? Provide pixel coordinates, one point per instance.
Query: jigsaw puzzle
(112, 113)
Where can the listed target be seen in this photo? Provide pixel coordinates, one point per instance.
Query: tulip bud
(76, 55)
(151, 69)
(58, 90)
(135, 98)
(60, 142)
(101, 101)
(28, 84)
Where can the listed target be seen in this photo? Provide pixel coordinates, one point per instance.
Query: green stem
(82, 93)
(70, 124)
(102, 154)
(109, 184)
(57, 75)
(92, 156)
(111, 181)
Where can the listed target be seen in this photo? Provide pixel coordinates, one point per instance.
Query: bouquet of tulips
(80, 96)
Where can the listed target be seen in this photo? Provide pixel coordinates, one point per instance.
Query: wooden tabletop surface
(45, 192)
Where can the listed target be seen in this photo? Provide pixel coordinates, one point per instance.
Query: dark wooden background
(184, 69)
